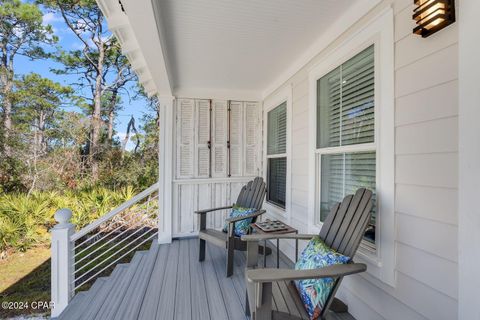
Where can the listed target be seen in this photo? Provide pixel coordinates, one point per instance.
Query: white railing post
(62, 261)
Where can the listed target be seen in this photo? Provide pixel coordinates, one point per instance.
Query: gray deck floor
(168, 282)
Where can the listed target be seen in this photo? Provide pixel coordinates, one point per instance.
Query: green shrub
(26, 219)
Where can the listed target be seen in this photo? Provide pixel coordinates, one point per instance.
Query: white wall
(426, 171)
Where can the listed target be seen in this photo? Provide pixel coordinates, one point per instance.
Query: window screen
(276, 155)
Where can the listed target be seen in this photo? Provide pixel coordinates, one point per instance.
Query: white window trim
(283, 95)
(379, 32)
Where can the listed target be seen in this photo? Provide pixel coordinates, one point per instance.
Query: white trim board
(284, 95)
(469, 158)
(165, 167)
(143, 49)
(379, 32)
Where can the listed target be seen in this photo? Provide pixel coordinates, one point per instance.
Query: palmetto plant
(26, 219)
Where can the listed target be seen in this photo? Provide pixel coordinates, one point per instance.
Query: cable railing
(79, 258)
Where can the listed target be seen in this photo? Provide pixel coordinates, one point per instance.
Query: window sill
(275, 211)
(376, 268)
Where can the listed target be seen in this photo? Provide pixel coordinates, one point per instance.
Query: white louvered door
(251, 132)
(203, 168)
(219, 138)
(185, 138)
(202, 138)
(236, 139)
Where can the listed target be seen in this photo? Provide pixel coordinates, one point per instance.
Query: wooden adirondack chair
(251, 196)
(343, 231)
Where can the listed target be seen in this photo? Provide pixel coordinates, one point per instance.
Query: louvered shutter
(202, 151)
(236, 138)
(185, 138)
(251, 131)
(219, 138)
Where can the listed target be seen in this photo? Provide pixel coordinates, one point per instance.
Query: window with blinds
(346, 152)
(277, 155)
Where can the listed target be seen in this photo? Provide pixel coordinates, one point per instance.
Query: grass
(25, 277)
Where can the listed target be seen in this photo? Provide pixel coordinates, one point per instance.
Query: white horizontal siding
(428, 235)
(433, 203)
(427, 72)
(430, 137)
(435, 170)
(429, 269)
(437, 102)
(426, 147)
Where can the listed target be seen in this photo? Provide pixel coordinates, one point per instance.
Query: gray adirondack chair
(251, 196)
(343, 231)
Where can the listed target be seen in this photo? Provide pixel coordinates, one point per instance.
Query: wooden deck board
(199, 300)
(178, 286)
(166, 303)
(216, 303)
(149, 306)
(230, 295)
(183, 301)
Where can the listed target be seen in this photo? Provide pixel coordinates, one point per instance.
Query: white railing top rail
(95, 224)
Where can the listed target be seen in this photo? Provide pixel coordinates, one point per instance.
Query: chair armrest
(274, 275)
(248, 216)
(204, 211)
(267, 236)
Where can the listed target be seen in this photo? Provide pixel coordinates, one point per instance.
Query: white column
(165, 165)
(469, 160)
(62, 261)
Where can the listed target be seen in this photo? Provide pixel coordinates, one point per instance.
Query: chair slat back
(252, 195)
(345, 225)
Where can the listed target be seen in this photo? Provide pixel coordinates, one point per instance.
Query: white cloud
(77, 45)
(130, 144)
(50, 17)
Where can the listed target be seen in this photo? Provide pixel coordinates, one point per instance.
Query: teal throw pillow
(314, 292)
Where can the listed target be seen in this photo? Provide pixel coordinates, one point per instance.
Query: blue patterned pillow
(314, 292)
(242, 226)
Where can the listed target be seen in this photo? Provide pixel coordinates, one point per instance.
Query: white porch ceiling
(238, 48)
(231, 49)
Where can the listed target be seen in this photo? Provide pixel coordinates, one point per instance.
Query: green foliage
(21, 29)
(49, 156)
(41, 94)
(26, 219)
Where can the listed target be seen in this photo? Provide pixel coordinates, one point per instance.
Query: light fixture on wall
(432, 16)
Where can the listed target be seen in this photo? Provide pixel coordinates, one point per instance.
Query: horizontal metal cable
(105, 268)
(109, 249)
(108, 233)
(113, 254)
(94, 235)
(137, 223)
(127, 216)
(92, 226)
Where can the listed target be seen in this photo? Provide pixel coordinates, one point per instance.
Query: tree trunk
(96, 120)
(41, 143)
(111, 114)
(7, 83)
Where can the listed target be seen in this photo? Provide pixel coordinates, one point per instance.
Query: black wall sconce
(432, 16)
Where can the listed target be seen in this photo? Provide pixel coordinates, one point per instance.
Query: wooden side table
(290, 229)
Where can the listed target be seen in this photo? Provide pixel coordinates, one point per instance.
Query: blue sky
(68, 41)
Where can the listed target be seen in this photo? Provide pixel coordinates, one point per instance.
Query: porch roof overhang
(225, 49)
